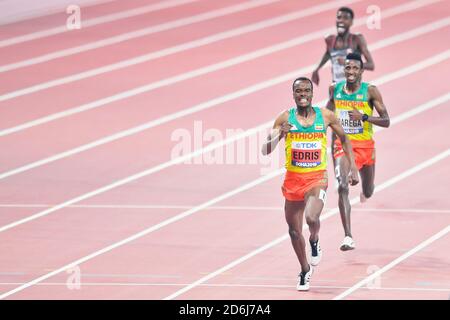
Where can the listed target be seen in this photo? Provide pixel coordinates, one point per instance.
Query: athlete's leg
(342, 170)
(315, 200)
(333, 138)
(367, 174)
(294, 217)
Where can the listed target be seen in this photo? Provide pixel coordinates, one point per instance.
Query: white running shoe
(315, 253)
(347, 244)
(304, 279)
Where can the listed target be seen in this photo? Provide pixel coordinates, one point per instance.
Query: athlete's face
(343, 22)
(303, 93)
(353, 71)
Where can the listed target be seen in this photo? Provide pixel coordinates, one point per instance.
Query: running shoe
(304, 279)
(348, 244)
(316, 252)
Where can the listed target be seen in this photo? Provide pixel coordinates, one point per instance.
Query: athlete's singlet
(337, 69)
(357, 130)
(306, 147)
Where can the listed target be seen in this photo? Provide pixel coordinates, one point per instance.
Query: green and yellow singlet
(306, 147)
(357, 130)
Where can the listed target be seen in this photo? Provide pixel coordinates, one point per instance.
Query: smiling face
(343, 21)
(303, 93)
(353, 71)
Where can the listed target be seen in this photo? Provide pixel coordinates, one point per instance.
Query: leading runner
(304, 129)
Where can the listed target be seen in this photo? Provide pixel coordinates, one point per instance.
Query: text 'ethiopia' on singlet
(306, 147)
(357, 130)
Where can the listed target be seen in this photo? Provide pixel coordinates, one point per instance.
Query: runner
(353, 102)
(304, 129)
(341, 44)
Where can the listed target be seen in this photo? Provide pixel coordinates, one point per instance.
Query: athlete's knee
(294, 234)
(343, 187)
(311, 219)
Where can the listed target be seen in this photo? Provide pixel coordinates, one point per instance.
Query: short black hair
(355, 56)
(302, 79)
(348, 10)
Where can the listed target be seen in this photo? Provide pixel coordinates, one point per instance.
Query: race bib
(350, 126)
(306, 154)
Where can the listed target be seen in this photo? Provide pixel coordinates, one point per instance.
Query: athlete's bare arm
(362, 45)
(315, 75)
(326, 56)
(330, 104)
(335, 125)
(280, 128)
(376, 101)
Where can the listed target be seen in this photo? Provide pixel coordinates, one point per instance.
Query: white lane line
(238, 190)
(151, 229)
(219, 285)
(95, 21)
(211, 68)
(101, 275)
(229, 97)
(384, 185)
(231, 62)
(215, 145)
(224, 208)
(137, 33)
(403, 210)
(227, 195)
(176, 49)
(137, 176)
(393, 263)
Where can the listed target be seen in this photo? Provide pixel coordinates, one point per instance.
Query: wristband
(365, 117)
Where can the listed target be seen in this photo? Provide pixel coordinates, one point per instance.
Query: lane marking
(393, 263)
(137, 34)
(187, 46)
(224, 208)
(400, 73)
(206, 204)
(122, 134)
(150, 229)
(330, 213)
(224, 285)
(95, 21)
(211, 68)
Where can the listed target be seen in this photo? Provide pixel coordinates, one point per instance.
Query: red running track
(193, 253)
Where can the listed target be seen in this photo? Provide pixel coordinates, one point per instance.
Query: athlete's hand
(353, 177)
(355, 114)
(315, 77)
(284, 129)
